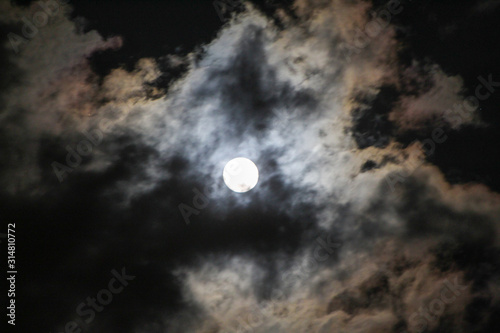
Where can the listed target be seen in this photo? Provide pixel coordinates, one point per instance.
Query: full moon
(240, 174)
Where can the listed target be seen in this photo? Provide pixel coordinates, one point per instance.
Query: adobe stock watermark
(379, 22)
(324, 249)
(200, 202)
(419, 321)
(459, 112)
(40, 19)
(201, 199)
(75, 153)
(87, 310)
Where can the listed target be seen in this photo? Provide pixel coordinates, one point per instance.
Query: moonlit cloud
(310, 118)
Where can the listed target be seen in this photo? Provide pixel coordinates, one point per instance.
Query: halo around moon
(240, 174)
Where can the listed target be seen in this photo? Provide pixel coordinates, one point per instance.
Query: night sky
(375, 126)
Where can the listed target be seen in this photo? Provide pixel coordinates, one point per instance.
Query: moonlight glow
(241, 174)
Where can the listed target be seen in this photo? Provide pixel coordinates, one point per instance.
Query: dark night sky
(170, 93)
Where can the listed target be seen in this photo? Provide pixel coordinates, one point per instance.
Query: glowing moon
(240, 174)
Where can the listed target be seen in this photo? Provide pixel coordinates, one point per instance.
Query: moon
(240, 174)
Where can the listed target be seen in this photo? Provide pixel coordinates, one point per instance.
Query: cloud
(310, 117)
(55, 83)
(434, 104)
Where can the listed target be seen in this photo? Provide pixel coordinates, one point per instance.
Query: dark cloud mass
(373, 124)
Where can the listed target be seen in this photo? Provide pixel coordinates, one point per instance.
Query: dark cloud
(371, 121)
